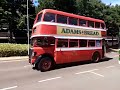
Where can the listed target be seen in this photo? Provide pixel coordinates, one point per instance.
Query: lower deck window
(91, 43)
(98, 43)
(83, 43)
(73, 43)
(62, 43)
(43, 41)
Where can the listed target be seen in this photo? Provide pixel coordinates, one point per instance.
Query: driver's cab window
(49, 17)
(43, 41)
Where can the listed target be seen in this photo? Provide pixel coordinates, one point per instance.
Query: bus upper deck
(48, 22)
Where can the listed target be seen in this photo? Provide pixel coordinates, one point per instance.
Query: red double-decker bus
(59, 37)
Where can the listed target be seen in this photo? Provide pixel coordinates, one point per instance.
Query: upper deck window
(50, 17)
(39, 17)
(102, 26)
(97, 25)
(61, 19)
(82, 22)
(91, 24)
(72, 21)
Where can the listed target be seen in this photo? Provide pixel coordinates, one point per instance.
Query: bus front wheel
(95, 57)
(45, 64)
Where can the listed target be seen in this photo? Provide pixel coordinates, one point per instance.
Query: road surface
(19, 75)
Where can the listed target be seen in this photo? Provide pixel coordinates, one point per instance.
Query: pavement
(13, 58)
(114, 50)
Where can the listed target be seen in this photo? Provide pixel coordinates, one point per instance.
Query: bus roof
(71, 15)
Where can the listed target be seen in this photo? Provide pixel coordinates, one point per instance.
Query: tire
(95, 57)
(45, 64)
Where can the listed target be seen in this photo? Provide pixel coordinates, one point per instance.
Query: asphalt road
(19, 75)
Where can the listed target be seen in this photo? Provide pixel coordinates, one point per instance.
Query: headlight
(34, 54)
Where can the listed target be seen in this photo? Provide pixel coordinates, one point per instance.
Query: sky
(113, 2)
(35, 2)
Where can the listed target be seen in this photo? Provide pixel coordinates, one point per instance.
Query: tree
(90, 8)
(112, 19)
(14, 14)
(62, 5)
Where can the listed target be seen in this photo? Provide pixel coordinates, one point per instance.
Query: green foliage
(62, 5)
(13, 12)
(13, 50)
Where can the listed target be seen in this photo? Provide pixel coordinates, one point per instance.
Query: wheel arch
(44, 55)
(95, 53)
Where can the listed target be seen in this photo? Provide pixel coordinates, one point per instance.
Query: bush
(7, 50)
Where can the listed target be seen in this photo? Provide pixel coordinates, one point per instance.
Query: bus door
(61, 54)
(73, 50)
(82, 52)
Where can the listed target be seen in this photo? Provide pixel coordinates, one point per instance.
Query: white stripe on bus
(67, 37)
(65, 25)
(82, 48)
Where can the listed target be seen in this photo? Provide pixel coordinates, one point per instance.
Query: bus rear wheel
(45, 64)
(95, 57)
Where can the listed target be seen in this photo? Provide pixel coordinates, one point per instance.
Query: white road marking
(87, 71)
(110, 66)
(49, 79)
(97, 74)
(116, 56)
(9, 88)
(119, 61)
(27, 66)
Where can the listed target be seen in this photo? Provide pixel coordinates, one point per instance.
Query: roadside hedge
(7, 49)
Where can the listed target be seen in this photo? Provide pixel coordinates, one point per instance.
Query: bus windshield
(49, 17)
(43, 41)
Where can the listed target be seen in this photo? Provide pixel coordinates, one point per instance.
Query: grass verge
(7, 50)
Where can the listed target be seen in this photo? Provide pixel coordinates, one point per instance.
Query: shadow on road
(60, 66)
(72, 64)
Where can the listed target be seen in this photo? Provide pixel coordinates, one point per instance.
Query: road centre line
(49, 79)
(97, 74)
(9, 88)
(86, 71)
(110, 66)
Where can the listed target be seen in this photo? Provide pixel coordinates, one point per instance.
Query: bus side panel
(74, 56)
(70, 56)
(61, 57)
(91, 52)
(103, 33)
(82, 55)
(41, 29)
